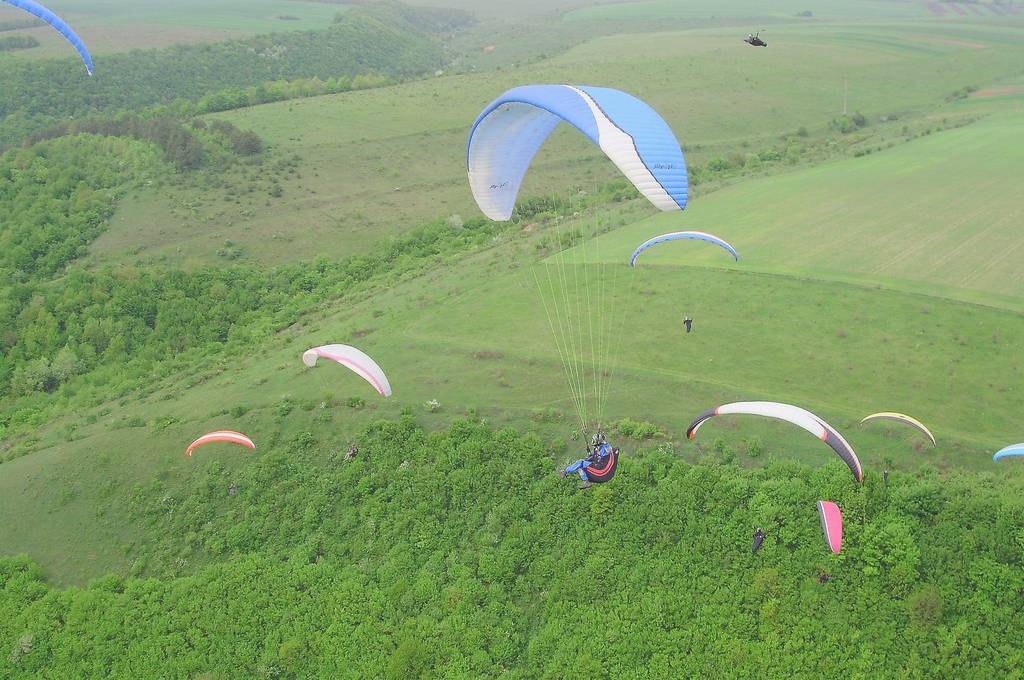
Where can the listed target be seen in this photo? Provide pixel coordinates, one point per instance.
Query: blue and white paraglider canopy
(508, 133)
(58, 24)
(679, 235)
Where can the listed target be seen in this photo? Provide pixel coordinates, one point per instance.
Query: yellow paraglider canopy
(901, 418)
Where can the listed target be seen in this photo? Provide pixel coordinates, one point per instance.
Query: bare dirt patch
(999, 91)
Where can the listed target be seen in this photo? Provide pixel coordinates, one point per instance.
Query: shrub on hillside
(925, 606)
(847, 124)
(635, 429)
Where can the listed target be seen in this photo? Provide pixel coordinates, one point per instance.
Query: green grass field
(508, 12)
(931, 215)
(884, 282)
(374, 163)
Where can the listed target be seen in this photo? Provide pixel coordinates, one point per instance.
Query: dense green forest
(460, 554)
(385, 41)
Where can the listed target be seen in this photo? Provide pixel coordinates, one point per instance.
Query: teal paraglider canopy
(1012, 451)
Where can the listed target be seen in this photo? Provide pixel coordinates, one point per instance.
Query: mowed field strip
(782, 10)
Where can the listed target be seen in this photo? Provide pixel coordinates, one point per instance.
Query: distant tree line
(279, 90)
(179, 142)
(415, 19)
(17, 42)
(20, 24)
(371, 42)
(438, 20)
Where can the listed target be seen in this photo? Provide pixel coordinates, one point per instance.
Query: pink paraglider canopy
(228, 436)
(354, 359)
(831, 525)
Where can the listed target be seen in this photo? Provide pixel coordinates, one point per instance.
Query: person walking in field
(688, 322)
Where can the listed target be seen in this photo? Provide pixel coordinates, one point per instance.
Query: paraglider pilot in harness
(599, 466)
(758, 540)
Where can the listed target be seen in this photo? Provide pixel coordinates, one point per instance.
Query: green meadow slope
(370, 164)
(470, 334)
(939, 215)
(782, 11)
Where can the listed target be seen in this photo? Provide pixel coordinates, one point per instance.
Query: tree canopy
(415, 559)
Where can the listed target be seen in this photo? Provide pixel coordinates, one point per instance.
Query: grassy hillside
(371, 163)
(377, 42)
(470, 333)
(877, 273)
(934, 215)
